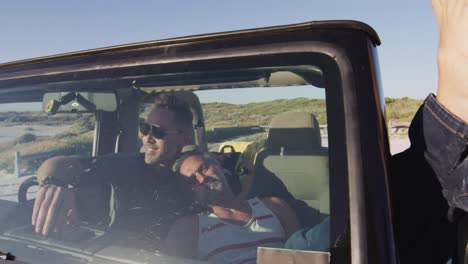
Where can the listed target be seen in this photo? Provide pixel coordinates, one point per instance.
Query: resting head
(202, 177)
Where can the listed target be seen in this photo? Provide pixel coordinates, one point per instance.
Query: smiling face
(204, 178)
(163, 151)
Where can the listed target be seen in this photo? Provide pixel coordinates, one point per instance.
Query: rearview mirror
(59, 102)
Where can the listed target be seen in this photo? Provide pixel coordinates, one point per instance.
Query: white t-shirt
(223, 242)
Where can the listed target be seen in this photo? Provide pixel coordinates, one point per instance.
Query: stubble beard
(206, 195)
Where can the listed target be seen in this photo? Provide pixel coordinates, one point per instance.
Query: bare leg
(452, 92)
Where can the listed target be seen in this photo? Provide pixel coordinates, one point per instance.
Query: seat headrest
(294, 131)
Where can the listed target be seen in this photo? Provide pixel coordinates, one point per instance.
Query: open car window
(272, 122)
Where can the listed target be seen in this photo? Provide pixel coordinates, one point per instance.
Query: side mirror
(73, 102)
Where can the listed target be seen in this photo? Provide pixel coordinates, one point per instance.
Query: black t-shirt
(139, 198)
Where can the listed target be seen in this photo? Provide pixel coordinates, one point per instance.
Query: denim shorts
(446, 150)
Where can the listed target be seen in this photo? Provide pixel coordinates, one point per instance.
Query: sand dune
(9, 133)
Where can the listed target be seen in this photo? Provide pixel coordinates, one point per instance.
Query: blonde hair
(169, 101)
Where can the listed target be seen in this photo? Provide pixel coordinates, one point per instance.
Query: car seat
(293, 154)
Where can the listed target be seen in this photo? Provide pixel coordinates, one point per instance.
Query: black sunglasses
(156, 131)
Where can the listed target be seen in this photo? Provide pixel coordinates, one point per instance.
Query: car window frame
(335, 57)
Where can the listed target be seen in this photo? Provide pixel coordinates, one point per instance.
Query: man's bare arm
(55, 205)
(182, 239)
(452, 56)
(285, 214)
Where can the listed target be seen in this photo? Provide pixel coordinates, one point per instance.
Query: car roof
(344, 25)
(108, 68)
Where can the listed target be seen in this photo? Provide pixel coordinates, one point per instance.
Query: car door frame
(351, 50)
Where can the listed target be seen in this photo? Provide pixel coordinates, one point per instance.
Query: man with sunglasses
(167, 129)
(141, 184)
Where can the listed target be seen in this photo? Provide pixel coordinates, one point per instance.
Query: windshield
(29, 137)
(248, 174)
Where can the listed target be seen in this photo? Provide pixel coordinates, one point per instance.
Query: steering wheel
(23, 190)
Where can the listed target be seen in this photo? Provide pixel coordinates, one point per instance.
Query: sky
(407, 28)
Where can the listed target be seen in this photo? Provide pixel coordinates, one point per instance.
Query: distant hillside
(401, 109)
(224, 115)
(13, 118)
(77, 139)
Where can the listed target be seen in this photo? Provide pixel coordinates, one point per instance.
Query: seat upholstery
(294, 131)
(293, 153)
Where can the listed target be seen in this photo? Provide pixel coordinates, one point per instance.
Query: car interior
(292, 147)
(288, 145)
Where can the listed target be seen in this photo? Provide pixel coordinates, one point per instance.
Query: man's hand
(54, 207)
(452, 92)
(285, 214)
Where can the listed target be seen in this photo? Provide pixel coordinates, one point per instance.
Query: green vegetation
(79, 145)
(13, 118)
(401, 109)
(84, 123)
(77, 140)
(72, 145)
(220, 135)
(25, 138)
(226, 115)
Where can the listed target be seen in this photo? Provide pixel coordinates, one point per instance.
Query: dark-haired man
(232, 228)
